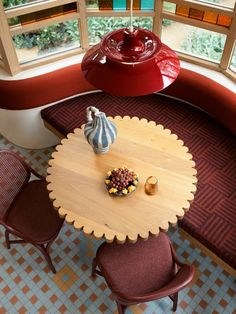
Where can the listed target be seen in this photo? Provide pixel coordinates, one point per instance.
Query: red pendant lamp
(130, 62)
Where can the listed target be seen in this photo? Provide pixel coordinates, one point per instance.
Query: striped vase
(99, 131)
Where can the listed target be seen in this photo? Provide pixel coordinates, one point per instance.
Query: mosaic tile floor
(27, 285)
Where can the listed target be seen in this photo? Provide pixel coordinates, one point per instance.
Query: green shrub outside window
(13, 3)
(209, 45)
(233, 60)
(49, 38)
(99, 26)
(198, 42)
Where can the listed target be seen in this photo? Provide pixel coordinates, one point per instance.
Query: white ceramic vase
(99, 131)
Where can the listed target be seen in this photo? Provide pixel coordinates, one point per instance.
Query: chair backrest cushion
(13, 175)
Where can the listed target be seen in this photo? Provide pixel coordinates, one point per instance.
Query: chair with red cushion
(142, 272)
(25, 208)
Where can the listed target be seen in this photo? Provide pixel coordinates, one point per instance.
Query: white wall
(25, 128)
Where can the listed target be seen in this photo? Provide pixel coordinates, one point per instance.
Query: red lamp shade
(130, 63)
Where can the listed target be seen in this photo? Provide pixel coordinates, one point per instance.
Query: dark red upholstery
(59, 84)
(206, 94)
(15, 176)
(33, 201)
(212, 216)
(25, 208)
(148, 259)
(141, 272)
(42, 89)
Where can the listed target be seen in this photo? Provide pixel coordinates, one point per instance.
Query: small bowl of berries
(121, 181)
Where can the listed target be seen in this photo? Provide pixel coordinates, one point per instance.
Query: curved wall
(25, 128)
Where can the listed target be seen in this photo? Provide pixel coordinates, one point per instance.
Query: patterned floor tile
(28, 286)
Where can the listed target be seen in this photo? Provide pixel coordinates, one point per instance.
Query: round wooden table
(76, 181)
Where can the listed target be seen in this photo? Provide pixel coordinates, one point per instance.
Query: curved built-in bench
(207, 95)
(212, 218)
(43, 89)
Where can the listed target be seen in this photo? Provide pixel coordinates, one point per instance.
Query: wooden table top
(76, 181)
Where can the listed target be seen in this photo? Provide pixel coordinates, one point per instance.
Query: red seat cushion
(137, 269)
(33, 214)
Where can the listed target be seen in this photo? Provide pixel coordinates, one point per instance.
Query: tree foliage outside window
(13, 3)
(67, 32)
(205, 44)
(233, 60)
(49, 38)
(198, 42)
(168, 6)
(99, 26)
(92, 4)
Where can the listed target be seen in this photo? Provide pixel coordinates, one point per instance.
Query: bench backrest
(50, 87)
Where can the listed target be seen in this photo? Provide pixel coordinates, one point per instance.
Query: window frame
(11, 64)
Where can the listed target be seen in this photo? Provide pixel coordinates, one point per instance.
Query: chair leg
(94, 265)
(45, 253)
(95, 271)
(7, 239)
(121, 308)
(175, 301)
(42, 248)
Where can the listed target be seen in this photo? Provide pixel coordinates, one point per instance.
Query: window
(170, 7)
(47, 41)
(40, 15)
(233, 60)
(42, 31)
(93, 4)
(203, 15)
(18, 3)
(99, 26)
(193, 41)
(226, 3)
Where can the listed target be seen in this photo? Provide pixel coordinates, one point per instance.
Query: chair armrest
(182, 278)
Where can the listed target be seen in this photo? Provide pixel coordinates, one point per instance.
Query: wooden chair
(142, 272)
(25, 208)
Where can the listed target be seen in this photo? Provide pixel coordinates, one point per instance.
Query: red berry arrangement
(121, 181)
